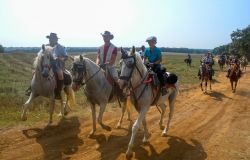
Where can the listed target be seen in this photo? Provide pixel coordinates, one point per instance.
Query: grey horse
(43, 84)
(97, 89)
(133, 75)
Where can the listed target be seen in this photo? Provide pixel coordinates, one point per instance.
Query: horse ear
(133, 50)
(81, 58)
(43, 47)
(124, 53)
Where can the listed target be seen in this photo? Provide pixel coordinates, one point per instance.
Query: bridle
(80, 68)
(131, 88)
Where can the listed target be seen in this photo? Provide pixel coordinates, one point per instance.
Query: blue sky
(176, 23)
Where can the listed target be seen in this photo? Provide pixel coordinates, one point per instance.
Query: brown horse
(206, 75)
(234, 76)
(221, 63)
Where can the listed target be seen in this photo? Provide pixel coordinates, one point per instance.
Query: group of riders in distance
(141, 78)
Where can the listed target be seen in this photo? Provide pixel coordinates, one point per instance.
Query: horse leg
(63, 105)
(92, 106)
(102, 109)
(201, 86)
(163, 110)
(123, 111)
(51, 109)
(171, 113)
(210, 83)
(135, 128)
(26, 106)
(147, 135)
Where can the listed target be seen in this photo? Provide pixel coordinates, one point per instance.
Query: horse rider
(141, 52)
(189, 57)
(153, 56)
(223, 57)
(106, 58)
(208, 59)
(59, 57)
(234, 60)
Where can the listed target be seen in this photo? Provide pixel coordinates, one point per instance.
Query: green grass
(16, 73)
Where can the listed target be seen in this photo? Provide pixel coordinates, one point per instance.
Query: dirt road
(212, 126)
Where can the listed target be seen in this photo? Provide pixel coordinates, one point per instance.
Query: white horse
(43, 84)
(97, 88)
(133, 75)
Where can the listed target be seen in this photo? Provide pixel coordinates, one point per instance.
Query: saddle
(67, 78)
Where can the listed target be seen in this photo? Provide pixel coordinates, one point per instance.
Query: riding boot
(28, 91)
(58, 89)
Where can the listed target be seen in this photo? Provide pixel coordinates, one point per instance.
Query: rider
(223, 57)
(154, 57)
(189, 57)
(141, 52)
(59, 57)
(106, 58)
(208, 59)
(234, 60)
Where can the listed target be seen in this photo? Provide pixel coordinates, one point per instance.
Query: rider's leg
(59, 86)
(161, 75)
(114, 74)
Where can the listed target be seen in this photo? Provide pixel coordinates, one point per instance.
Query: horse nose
(122, 83)
(45, 73)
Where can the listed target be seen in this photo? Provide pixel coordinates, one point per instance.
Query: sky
(176, 23)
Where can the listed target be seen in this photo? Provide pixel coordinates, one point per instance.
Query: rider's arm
(160, 58)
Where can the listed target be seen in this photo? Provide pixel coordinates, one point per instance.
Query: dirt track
(205, 126)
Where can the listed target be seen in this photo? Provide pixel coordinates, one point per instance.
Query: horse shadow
(217, 95)
(60, 141)
(177, 149)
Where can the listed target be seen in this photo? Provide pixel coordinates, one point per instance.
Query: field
(205, 126)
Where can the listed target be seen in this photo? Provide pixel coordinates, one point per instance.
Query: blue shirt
(153, 56)
(60, 51)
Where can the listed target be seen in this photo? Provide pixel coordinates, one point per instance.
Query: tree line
(240, 44)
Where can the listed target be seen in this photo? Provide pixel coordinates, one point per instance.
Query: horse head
(78, 71)
(44, 60)
(127, 67)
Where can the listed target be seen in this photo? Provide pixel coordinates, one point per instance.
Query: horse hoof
(60, 115)
(129, 155)
(24, 118)
(164, 134)
(118, 126)
(107, 128)
(49, 124)
(161, 127)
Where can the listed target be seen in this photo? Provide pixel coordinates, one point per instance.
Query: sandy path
(205, 126)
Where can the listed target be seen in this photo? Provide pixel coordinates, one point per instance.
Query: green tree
(1, 49)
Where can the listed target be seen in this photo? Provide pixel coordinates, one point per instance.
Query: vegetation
(240, 44)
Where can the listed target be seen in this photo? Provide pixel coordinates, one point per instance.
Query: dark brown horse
(206, 75)
(188, 61)
(234, 76)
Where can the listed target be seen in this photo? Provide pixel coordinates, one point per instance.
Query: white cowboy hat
(108, 34)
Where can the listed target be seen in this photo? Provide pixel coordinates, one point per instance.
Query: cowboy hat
(52, 36)
(107, 34)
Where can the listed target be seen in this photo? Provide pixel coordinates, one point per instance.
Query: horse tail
(71, 96)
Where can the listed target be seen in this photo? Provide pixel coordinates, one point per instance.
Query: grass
(16, 73)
